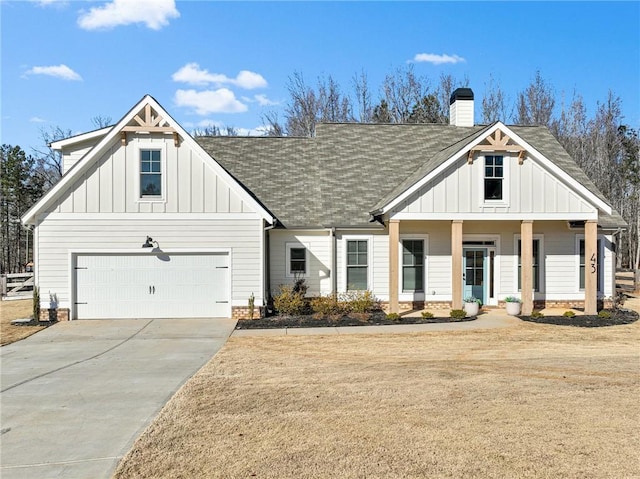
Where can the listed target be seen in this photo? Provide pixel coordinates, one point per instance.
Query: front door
(475, 273)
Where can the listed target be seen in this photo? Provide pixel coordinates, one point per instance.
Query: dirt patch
(530, 401)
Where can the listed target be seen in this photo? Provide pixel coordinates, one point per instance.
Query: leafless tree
(536, 103)
(493, 103)
(363, 97)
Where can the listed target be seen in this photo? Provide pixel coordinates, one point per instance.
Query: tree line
(602, 144)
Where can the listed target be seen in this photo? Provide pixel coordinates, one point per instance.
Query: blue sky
(65, 62)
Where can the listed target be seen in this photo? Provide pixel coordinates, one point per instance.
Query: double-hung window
(413, 265)
(357, 265)
(590, 263)
(150, 173)
(493, 177)
(297, 262)
(536, 265)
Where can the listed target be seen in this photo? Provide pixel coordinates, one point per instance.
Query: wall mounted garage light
(150, 243)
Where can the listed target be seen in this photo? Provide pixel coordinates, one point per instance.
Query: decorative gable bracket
(149, 122)
(496, 143)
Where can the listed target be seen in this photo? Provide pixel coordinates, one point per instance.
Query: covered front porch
(439, 263)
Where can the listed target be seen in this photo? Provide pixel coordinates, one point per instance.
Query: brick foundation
(58, 314)
(242, 312)
(405, 306)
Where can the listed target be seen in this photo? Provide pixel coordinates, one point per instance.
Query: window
(150, 173)
(412, 265)
(357, 265)
(296, 260)
(493, 176)
(536, 265)
(583, 264)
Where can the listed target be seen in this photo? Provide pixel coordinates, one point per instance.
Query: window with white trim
(584, 263)
(413, 265)
(493, 177)
(150, 173)
(357, 264)
(536, 265)
(297, 261)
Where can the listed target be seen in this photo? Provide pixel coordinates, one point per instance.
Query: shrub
(252, 305)
(536, 314)
(358, 301)
(288, 301)
(36, 303)
(473, 299)
(393, 316)
(568, 314)
(300, 286)
(604, 314)
(325, 305)
(512, 299)
(427, 315)
(458, 313)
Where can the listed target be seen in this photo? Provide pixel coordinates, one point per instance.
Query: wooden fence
(628, 280)
(16, 284)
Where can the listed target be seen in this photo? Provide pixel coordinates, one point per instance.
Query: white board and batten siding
(102, 213)
(528, 189)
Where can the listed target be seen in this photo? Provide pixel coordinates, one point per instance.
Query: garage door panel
(152, 286)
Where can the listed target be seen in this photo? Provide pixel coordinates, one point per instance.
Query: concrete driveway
(75, 396)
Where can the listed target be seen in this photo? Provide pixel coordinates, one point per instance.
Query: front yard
(16, 309)
(533, 401)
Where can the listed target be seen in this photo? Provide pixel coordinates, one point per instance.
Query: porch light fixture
(149, 243)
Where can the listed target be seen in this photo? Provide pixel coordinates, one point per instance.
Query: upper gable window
(493, 177)
(150, 173)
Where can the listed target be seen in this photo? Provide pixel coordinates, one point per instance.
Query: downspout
(616, 239)
(267, 266)
(334, 261)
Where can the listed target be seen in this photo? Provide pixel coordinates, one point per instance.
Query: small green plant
(604, 314)
(512, 299)
(472, 299)
(458, 313)
(427, 315)
(536, 314)
(36, 303)
(569, 314)
(252, 305)
(393, 316)
(288, 301)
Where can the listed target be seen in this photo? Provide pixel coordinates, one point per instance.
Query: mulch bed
(308, 321)
(618, 317)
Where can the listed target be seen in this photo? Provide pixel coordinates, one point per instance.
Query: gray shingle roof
(350, 169)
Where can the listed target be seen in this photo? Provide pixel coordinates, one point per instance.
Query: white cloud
(59, 71)
(264, 101)
(192, 74)
(155, 14)
(437, 59)
(37, 119)
(210, 101)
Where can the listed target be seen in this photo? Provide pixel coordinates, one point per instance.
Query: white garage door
(152, 286)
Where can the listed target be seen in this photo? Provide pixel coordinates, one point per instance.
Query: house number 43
(593, 263)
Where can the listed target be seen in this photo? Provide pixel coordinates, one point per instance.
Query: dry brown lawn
(10, 310)
(532, 401)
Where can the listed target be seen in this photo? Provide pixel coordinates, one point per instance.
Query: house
(148, 221)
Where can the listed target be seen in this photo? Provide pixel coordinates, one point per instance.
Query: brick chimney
(461, 107)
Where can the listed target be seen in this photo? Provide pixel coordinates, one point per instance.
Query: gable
(107, 178)
(526, 170)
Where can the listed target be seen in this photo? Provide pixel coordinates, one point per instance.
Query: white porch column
(456, 264)
(394, 241)
(591, 267)
(526, 269)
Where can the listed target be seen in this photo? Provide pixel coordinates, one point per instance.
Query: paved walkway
(76, 395)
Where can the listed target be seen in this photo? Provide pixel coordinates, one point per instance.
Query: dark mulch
(308, 321)
(618, 317)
